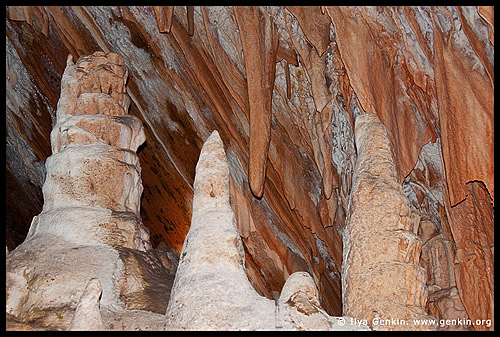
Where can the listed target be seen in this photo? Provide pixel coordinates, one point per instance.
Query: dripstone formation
(211, 290)
(381, 276)
(282, 85)
(90, 234)
(87, 262)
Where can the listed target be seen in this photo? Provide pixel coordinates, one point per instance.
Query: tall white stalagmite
(90, 225)
(211, 289)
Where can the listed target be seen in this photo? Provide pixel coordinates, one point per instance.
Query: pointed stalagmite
(381, 277)
(211, 289)
(87, 314)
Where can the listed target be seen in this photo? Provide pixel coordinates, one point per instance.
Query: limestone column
(90, 225)
(381, 277)
(93, 184)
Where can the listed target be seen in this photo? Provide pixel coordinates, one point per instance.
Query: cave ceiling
(282, 86)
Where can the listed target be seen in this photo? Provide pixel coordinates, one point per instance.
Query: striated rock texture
(471, 223)
(427, 71)
(90, 230)
(211, 290)
(381, 275)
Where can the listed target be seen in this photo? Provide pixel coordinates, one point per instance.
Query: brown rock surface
(260, 42)
(465, 158)
(471, 223)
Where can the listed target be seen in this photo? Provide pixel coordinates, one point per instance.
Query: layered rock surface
(89, 234)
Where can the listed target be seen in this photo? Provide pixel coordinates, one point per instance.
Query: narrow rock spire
(211, 289)
(381, 277)
(87, 314)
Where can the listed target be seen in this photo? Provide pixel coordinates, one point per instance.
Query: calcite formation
(381, 275)
(89, 234)
(87, 313)
(473, 229)
(260, 44)
(211, 290)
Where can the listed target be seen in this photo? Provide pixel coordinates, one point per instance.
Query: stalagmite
(90, 225)
(381, 278)
(211, 290)
(299, 308)
(87, 314)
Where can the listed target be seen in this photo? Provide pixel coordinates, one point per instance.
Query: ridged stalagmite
(90, 225)
(381, 277)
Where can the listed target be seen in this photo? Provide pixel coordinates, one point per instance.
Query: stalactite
(260, 44)
(427, 72)
(190, 18)
(164, 15)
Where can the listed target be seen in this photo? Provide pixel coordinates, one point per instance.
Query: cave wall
(282, 86)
